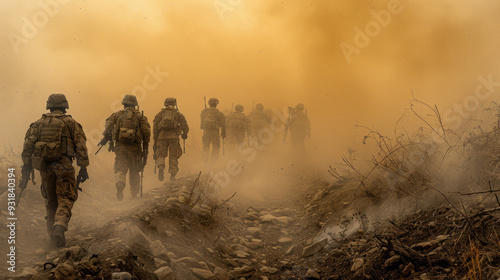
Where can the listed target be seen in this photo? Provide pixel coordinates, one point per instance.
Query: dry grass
(473, 262)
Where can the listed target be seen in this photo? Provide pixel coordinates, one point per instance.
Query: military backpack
(211, 121)
(258, 119)
(169, 120)
(236, 122)
(299, 121)
(128, 127)
(52, 141)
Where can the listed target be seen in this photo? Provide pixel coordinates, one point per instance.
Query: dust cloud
(276, 53)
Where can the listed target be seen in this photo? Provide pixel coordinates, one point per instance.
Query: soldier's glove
(184, 136)
(223, 134)
(84, 175)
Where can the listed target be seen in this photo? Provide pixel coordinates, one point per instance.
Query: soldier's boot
(50, 227)
(119, 191)
(59, 236)
(172, 177)
(133, 195)
(161, 172)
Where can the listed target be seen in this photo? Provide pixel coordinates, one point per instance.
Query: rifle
(184, 145)
(24, 182)
(99, 149)
(103, 143)
(223, 150)
(205, 98)
(290, 112)
(142, 177)
(144, 158)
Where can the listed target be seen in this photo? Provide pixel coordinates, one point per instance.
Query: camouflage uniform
(58, 176)
(300, 127)
(212, 121)
(258, 120)
(129, 152)
(237, 124)
(168, 125)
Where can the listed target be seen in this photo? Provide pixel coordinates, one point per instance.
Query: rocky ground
(319, 230)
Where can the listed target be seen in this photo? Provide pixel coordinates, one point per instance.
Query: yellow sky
(275, 52)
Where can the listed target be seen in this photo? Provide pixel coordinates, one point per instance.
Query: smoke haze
(278, 53)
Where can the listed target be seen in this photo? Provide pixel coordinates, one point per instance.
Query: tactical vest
(211, 119)
(236, 121)
(53, 141)
(169, 120)
(128, 127)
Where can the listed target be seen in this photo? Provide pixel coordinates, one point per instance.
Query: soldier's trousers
(60, 193)
(172, 149)
(234, 139)
(128, 158)
(211, 136)
(298, 143)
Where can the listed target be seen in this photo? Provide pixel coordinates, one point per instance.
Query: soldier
(50, 146)
(237, 124)
(258, 120)
(168, 124)
(299, 125)
(212, 122)
(129, 133)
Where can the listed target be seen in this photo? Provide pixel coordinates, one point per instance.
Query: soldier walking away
(129, 133)
(50, 145)
(237, 124)
(299, 126)
(213, 122)
(168, 125)
(258, 120)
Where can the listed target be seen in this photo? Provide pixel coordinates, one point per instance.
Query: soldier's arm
(146, 131)
(29, 143)
(155, 125)
(109, 126)
(222, 123)
(80, 142)
(184, 125)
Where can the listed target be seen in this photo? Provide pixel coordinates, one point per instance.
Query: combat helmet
(299, 107)
(213, 101)
(57, 100)
(130, 100)
(170, 101)
(239, 108)
(259, 107)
